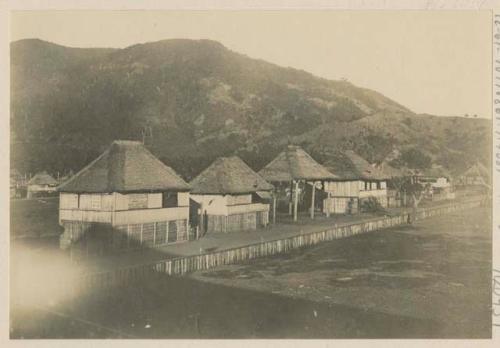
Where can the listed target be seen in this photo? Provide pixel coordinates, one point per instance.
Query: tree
(407, 187)
(415, 159)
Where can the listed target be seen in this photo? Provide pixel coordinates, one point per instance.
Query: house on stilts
(356, 183)
(42, 184)
(228, 196)
(296, 176)
(124, 199)
(475, 176)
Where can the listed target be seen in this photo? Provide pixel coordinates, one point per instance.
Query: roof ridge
(125, 167)
(229, 175)
(169, 169)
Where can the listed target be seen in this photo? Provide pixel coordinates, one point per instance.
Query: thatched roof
(477, 169)
(228, 175)
(42, 178)
(348, 165)
(126, 166)
(294, 164)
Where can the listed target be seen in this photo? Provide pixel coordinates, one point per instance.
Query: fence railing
(187, 264)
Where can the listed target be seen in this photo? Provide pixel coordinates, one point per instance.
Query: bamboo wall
(340, 205)
(343, 188)
(184, 265)
(121, 237)
(237, 222)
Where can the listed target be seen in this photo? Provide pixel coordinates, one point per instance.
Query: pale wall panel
(154, 200)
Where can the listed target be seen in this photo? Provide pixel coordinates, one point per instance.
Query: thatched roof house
(356, 182)
(478, 169)
(228, 175)
(42, 179)
(348, 165)
(41, 184)
(294, 164)
(126, 166)
(226, 197)
(477, 174)
(297, 167)
(124, 199)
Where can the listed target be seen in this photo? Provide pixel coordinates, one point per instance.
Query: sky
(436, 62)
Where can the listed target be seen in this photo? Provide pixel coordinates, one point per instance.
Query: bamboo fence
(183, 265)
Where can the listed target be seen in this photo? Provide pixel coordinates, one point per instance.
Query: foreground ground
(427, 280)
(34, 218)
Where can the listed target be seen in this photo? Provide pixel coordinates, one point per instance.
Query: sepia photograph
(250, 174)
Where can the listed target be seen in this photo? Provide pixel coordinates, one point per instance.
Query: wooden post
(154, 233)
(312, 199)
(274, 208)
(142, 228)
(296, 200)
(290, 203)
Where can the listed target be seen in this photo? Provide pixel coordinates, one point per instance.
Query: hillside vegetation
(194, 100)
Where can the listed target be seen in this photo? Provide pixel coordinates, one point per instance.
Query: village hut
(227, 197)
(17, 181)
(437, 183)
(476, 175)
(42, 184)
(356, 183)
(124, 199)
(293, 172)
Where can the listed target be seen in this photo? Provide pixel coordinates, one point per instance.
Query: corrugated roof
(126, 166)
(294, 164)
(228, 175)
(42, 178)
(348, 165)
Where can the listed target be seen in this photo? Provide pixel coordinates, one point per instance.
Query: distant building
(476, 175)
(124, 199)
(296, 176)
(356, 182)
(227, 197)
(437, 182)
(42, 184)
(17, 181)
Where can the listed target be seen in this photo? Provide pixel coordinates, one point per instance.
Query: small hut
(124, 199)
(294, 173)
(226, 197)
(356, 182)
(42, 184)
(16, 182)
(476, 175)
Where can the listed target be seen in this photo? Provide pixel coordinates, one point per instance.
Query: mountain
(195, 100)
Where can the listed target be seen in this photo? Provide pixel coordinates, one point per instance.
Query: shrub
(372, 205)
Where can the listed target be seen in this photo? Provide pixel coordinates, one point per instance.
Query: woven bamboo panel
(161, 232)
(172, 232)
(148, 234)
